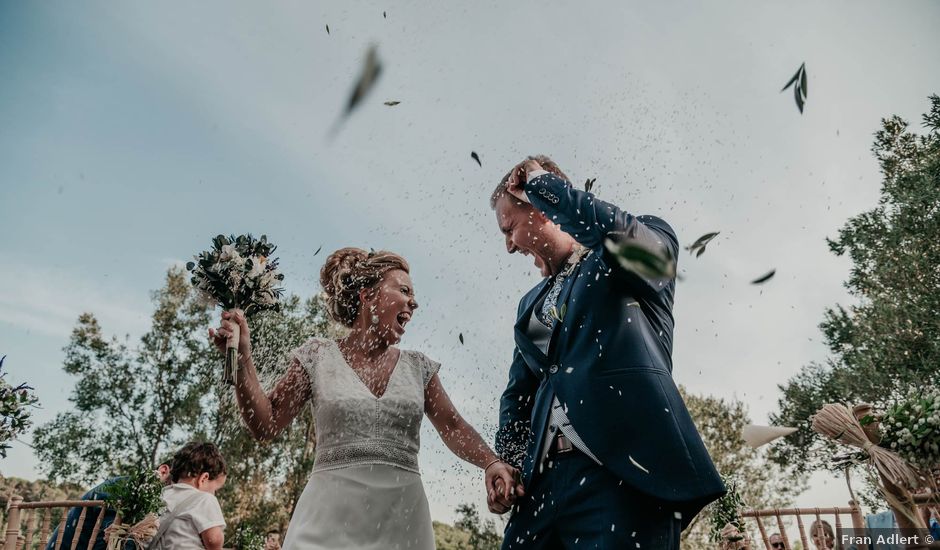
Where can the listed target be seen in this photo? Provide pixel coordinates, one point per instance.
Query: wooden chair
(33, 513)
(853, 512)
(928, 502)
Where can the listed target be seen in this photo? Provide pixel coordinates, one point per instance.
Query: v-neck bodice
(391, 374)
(353, 426)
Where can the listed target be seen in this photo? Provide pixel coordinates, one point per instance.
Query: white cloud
(49, 300)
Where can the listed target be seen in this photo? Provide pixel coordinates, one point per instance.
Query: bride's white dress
(365, 491)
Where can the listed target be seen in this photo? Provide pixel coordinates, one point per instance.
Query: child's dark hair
(195, 459)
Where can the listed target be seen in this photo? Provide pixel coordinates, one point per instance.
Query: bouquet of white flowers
(238, 272)
(912, 428)
(727, 525)
(138, 502)
(901, 445)
(247, 537)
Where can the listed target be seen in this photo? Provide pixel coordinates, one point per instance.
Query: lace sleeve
(429, 367)
(307, 355)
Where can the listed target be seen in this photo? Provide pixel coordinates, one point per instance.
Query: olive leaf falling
(476, 157)
(460, 337)
(638, 259)
(799, 86)
(700, 244)
(327, 29)
(371, 69)
(764, 278)
(392, 103)
(589, 184)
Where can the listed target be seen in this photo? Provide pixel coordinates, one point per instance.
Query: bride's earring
(375, 317)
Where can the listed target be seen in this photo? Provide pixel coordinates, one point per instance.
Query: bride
(368, 398)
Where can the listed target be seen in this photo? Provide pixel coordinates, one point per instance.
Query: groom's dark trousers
(609, 363)
(574, 503)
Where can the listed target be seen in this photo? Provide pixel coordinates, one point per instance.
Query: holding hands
(503, 487)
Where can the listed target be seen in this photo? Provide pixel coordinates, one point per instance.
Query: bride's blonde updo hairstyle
(349, 270)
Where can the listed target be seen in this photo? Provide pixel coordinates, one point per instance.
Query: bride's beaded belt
(369, 452)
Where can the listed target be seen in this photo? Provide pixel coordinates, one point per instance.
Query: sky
(131, 133)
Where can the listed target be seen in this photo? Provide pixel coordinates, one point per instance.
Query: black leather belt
(561, 445)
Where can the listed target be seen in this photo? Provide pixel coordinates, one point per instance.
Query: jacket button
(553, 369)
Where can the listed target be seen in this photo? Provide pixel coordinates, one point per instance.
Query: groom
(609, 455)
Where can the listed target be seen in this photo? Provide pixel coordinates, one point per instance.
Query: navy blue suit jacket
(91, 516)
(609, 361)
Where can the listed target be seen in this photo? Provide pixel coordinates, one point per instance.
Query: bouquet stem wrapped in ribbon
(119, 534)
(840, 423)
(238, 272)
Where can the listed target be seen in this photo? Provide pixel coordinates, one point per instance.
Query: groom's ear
(535, 214)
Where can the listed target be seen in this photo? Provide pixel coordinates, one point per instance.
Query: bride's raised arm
(265, 415)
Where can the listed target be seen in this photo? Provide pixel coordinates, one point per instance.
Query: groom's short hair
(547, 163)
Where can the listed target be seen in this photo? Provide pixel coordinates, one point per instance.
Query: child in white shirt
(197, 471)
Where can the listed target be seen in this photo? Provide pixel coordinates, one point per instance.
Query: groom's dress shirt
(540, 331)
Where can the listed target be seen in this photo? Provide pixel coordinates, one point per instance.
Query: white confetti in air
(612, 527)
(583, 479)
(678, 515)
(637, 464)
(569, 370)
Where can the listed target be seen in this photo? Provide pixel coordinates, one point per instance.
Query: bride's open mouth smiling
(403, 319)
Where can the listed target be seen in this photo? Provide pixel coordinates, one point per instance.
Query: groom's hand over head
(519, 176)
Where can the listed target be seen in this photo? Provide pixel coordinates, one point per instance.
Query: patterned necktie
(548, 313)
